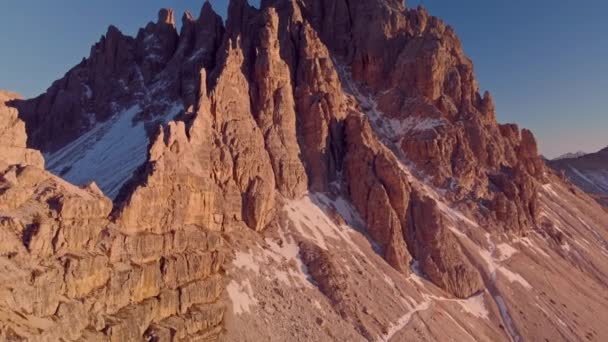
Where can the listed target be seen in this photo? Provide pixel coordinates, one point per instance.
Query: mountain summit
(308, 170)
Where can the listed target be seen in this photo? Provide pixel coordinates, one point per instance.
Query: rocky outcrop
(156, 43)
(379, 191)
(141, 81)
(87, 278)
(414, 68)
(275, 110)
(72, 272)
(437, 250)
(321, 109)
(13, 148)
(334, 284)
(406, 223)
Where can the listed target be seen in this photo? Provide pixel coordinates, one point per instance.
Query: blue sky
(544, 61)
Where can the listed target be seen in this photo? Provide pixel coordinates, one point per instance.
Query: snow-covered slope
(109, 152)
(588, 172)
(281, 292)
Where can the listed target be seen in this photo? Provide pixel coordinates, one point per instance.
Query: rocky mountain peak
(207, 12)
(165, 16)
(337, 157)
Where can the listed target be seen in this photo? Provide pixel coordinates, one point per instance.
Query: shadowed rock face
(363, 101)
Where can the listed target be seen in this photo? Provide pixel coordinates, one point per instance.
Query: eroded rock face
(125, 83)
(415, 68)
(378, 190)
(291, 98)
(274, 110)
(272, 120)
(13, 148)
(88, 278)
(320, 109)
(437, 250)
(72, 272)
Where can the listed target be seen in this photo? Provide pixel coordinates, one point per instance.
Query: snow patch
(241, 296)
(416, 276)
(274, 261)
(87, 91)
(530, 244)
(197, 54)
(600, 179)
(454, 214)
(413, 123)
(311, 221)
(487, 257)
(550, 190)
(388, 280)
(505, 251)
(345, 209)
(405, 319)
(580, 174)
(289, 253)
(246, 261)
(475, 306)
(494, 266)
(515, 278)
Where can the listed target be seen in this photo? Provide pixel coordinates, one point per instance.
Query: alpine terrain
(308, 170)
(588, 171)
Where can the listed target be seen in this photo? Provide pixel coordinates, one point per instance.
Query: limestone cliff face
(13, 138)
(277, 118)
(272, 121)
(70, 272)
(414, 66)
(364, 101)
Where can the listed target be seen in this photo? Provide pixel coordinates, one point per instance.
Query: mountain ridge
(570, 155)
(589, 172)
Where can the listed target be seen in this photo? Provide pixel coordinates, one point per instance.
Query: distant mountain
(589, 172)
(570, 155)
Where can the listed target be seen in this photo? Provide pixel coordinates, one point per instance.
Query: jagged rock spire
(165, 16)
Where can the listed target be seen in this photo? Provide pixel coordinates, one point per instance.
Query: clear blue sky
(544, 61)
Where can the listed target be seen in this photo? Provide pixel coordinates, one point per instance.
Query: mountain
(308, 170)
(571, 155)
(589, 172)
